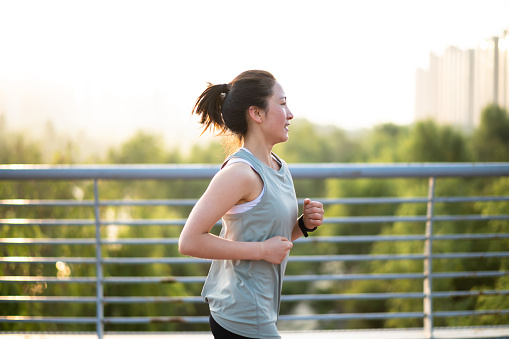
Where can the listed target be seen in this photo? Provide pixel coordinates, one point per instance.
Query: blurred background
(93, 73)
(114, 82)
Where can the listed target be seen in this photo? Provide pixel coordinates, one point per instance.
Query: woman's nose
(289, 115)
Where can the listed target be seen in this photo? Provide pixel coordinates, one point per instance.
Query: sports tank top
(244, 295)
(250, 204)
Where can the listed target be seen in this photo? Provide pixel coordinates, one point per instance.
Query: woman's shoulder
(238, 172)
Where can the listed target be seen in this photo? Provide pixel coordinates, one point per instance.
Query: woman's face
(278, 115)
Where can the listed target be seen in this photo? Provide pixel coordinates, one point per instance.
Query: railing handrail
(99, 172)
(299, 171)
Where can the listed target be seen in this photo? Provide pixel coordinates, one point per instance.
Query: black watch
(303, 227)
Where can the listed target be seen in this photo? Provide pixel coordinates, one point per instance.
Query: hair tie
(224, 90)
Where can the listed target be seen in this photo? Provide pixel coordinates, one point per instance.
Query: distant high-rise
(459, 83)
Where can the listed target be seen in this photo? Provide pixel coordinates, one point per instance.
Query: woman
(253, 193)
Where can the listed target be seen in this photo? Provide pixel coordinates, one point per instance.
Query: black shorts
(220, 332)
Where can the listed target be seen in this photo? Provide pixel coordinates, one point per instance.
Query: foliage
(309, 143)
(490, 141)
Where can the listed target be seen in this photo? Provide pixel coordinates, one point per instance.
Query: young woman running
(254, 195)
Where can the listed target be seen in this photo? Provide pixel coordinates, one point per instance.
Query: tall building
(459, 83)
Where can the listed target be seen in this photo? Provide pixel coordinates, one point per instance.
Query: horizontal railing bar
(157, 280)
(88, 241)
(350, 316)
(172, 260)
(181, 222)
(348, 277)
(156, 320)
(367, 257)
(31, 279)
(47, 241)
(114, 172)
(471, 217)
(295, 258)
(174, 241)
(317, 239)
(52, 299)
(470, 274)
(151, 202)
(206, 171)
(141, 241)
(45, 202)
(119, 280)
(470, 236)
(189, 260)
(354, 257)
(464, 332)
(88, 203)
(352, 296)
(88, 222)
(197, 319)
(391, 276)
(471, 199)
(47, 222)
(121, 300)
(113, 300)
(402, 200)
(359, 238)
(289, 278)
(399, 295)
(48, 260)
(381, 238)
(470, 255)
(389, 315)
(475, 293)
(373, 219)
(284, 297)
(192, 202)
(56, 320)
(444, 314)
(205, 319)
(410, 218)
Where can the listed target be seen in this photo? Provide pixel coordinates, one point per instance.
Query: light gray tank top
(244, 295)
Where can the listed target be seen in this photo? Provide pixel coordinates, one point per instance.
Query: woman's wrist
(303, 227)
(260, 251)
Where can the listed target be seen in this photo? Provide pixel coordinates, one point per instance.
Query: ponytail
(210, 106)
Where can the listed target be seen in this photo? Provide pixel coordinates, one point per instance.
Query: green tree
(381, 144)
(490, 141)
(428, 142)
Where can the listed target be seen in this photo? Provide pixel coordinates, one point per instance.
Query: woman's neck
(262, 153)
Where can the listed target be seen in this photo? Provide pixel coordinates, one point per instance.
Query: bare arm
(237, 182)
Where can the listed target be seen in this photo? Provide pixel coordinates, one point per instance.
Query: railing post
(98, 265)
(428, 260)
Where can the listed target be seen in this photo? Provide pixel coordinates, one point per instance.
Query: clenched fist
(313, 213)
(275, 249)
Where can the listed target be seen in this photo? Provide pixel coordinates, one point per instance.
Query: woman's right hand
(275, 249)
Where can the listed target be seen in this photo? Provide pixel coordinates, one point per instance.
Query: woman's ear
(255, 113)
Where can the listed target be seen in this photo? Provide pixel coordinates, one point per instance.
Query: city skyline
(108, 68)
(460, 83)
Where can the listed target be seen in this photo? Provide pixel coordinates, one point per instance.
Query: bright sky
(350, 63)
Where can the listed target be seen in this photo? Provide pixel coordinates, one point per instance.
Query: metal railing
(100, 173)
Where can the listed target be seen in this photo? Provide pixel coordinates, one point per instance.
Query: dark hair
(224, 107)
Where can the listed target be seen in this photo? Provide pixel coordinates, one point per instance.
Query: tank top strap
(255, 163)
(244, 154)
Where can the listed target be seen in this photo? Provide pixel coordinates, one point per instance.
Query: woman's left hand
(313, 213)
